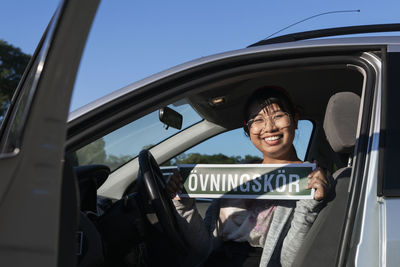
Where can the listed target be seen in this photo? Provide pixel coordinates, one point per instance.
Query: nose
(269, 126)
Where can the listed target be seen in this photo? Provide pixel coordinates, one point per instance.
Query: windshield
(125, 143)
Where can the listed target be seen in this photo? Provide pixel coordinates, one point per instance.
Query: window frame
(388, 183)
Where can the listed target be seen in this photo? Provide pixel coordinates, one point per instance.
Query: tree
(94, 153)
(197, 158)
(12, 65)
(250, 159)
(114, 161)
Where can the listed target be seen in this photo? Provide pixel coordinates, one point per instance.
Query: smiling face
(272, 133)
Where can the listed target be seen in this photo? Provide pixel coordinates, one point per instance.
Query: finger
(318, 174)
(320, 179)
(319, 193)
(321, 190)
(313, 182)
(310, 182)
(317, 185)
(316, 170)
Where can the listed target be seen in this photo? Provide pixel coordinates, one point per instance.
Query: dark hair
(265, 96)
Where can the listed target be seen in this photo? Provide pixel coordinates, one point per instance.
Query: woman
(235, 231)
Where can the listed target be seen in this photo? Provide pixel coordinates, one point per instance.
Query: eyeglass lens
(280, 120)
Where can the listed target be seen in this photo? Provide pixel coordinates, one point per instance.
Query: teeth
(272, 138)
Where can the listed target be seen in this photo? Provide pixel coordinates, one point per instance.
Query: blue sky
(131, 40)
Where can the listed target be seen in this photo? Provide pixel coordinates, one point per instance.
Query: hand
(318, 181)
(174, 185)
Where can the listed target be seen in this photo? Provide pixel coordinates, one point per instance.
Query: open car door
(33, 230)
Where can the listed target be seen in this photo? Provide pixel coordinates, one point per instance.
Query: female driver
(235, 232)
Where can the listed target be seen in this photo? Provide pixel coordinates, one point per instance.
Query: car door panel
(32, 173)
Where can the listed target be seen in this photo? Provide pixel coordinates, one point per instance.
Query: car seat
(320, 248)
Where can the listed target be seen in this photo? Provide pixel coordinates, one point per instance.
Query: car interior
(125, 217)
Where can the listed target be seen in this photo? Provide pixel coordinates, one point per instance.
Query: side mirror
(170, 118)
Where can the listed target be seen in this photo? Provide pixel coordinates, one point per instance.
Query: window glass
(12, 65)
(235, 147)
(11, 142)
(302, 138)
(18, 41)
(125, 143)
(389, 143)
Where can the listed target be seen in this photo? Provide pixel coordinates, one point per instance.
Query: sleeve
(194, 231)
(303, 217)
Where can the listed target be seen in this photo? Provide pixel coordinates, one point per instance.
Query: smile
(272, 138)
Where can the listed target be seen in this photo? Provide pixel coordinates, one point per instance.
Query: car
(69, 199)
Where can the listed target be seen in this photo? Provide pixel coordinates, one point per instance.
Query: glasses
(279, 119)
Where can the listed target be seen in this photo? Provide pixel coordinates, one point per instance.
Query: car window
(390, 183)
(11, 141)
(12, 65)
(235, 147)
(125, 143)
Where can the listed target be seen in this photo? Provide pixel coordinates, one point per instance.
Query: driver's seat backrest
(321, 245)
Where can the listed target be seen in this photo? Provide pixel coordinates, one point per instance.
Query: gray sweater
(290, 223)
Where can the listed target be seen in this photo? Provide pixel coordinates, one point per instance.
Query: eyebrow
(273, 112)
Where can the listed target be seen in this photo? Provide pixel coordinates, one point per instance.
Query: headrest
(340, 123)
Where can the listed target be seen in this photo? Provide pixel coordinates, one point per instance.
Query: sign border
(259, 165)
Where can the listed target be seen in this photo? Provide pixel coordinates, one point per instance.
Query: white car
(67, 198)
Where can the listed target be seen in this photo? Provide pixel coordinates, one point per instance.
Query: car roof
(349, 30)
(297, 45)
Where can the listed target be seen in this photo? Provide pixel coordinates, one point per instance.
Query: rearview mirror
(170, 118)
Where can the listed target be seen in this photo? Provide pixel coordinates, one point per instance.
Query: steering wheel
(152, 179)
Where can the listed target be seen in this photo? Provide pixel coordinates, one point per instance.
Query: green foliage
(197, 158)
(251, 159)
(12, 65)
(147, 146)
(94, 153)
(114, 162)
